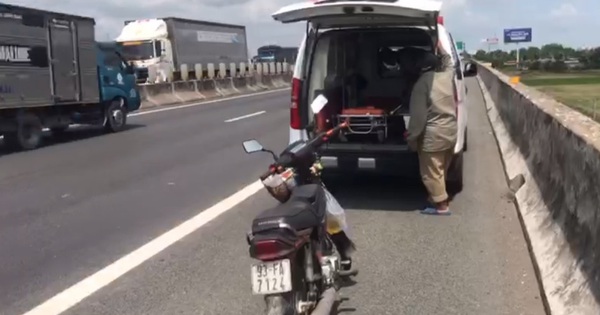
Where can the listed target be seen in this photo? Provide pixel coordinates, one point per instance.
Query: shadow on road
(71, 135)
(378, 193)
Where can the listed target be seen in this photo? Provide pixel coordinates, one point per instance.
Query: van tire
(454, 181)
(28, 135)
(466, 140)
(115, 115)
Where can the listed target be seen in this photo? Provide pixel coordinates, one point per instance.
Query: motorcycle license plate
(272, 277)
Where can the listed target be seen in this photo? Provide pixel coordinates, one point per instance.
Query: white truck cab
(339, 58)
(146, 44)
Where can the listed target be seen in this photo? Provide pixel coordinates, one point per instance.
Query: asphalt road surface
(76, 206)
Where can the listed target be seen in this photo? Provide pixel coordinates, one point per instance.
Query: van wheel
(28, 135)
(115, 116)
(466, 140)
(454, 181)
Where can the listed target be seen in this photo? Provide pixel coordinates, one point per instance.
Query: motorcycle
(299, 243)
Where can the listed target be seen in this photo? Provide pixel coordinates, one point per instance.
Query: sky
(570, 22)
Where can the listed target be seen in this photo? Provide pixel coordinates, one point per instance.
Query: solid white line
(152, 111)
(245, 116)
(86, 287)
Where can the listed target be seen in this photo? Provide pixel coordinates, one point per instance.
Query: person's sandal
(435, 211)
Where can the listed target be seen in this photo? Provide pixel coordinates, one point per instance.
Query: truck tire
(454, 181)
(115, 116)
(28, 135)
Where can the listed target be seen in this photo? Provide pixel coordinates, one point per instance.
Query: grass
(562, 81)
(582, 97)
(577, 89)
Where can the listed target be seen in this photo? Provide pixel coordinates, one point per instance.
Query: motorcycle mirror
(318, 104)
(252, 146)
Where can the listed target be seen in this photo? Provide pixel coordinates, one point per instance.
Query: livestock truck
(53, 75)
(168, 43)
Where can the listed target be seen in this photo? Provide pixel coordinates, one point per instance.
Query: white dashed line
(245, 116)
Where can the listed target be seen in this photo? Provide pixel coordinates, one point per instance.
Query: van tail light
(440, 20)
(266, 250)
(295, 119)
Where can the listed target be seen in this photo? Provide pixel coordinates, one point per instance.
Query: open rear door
(348, 13)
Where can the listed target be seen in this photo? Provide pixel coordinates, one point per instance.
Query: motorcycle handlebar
(316, 142)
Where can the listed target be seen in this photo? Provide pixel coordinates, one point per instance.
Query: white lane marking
(245, 116)
(152, 111)
(86, 287)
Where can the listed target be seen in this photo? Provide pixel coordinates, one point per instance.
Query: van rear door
(328, 14)
(346, 13)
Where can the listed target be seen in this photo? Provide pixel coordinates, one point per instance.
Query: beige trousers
(433, 167)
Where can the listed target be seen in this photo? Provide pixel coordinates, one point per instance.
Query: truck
(274, 53)
(167, 43)
(53, 74)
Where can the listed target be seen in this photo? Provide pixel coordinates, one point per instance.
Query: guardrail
(213, 82)
(555, 151)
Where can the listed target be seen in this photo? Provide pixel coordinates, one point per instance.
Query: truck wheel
(115, 116)
(28, 135)
(454, 181)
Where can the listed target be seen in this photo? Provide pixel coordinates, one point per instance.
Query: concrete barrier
(266, 81)
(187, 91)
(555, 152)
(214, 83)
(252, 83)
(208, 88)
(159, 94)
(243, 85)
(224, 87)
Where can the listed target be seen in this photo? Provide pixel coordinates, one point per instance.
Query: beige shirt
(433, 124)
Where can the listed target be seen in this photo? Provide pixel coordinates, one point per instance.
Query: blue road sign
(517, 35)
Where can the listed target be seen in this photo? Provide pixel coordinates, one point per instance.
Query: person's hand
(412, 145)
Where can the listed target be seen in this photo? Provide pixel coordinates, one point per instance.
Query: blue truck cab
(116, 79)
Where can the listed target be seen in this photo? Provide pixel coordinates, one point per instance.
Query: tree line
(551, 57)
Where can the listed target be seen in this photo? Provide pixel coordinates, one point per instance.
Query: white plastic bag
(336, 216)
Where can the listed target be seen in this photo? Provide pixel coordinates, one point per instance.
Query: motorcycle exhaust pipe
(325, 305)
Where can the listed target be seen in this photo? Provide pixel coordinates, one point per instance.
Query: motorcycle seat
(305, 209)
(299, 214)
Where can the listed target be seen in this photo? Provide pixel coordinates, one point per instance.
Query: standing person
(432, 130)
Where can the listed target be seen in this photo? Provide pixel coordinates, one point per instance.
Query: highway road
(74, 208)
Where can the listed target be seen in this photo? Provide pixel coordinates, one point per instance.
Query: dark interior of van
(359, 73)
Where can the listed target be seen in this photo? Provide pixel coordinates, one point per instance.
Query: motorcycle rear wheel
(282, 304)
(287, 303)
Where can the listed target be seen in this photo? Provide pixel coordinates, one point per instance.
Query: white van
(339, 57)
